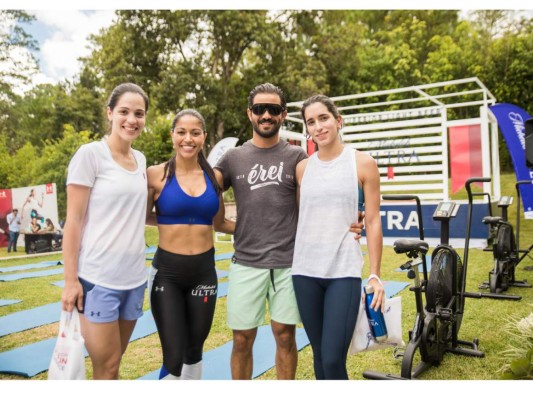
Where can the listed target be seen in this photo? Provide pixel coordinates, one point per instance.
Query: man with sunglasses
(262, 174)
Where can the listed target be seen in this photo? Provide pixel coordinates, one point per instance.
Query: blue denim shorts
(101, 304)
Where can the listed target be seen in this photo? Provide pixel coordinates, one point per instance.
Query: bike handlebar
(524, 182)
(474, 180)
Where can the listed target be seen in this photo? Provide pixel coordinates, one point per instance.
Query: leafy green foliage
(52, 165)
(16, 66)
(210, 59)
(519, 349)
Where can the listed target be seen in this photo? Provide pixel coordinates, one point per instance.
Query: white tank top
(325, 247)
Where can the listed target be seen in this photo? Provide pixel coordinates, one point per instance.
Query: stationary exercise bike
(436, 328)
(505, 249)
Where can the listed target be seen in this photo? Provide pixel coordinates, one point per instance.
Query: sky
(62, 33)
(62, 37)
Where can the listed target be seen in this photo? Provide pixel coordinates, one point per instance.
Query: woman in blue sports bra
(183, 280)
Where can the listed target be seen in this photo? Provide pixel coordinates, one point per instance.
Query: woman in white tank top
(333, 184)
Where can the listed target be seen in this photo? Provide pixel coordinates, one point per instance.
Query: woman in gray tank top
(327, 267)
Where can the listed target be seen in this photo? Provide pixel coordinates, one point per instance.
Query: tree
(17, 64)
(209, 60)
(204, 59)
(52, 166)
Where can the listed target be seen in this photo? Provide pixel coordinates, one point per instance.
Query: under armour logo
(95, 313)
(157, 288)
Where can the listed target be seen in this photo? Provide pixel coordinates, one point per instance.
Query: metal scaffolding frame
(406, 129)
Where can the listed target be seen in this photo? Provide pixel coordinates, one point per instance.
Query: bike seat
(491, 220)
(402, 246)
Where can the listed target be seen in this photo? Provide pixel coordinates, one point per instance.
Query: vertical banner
(465, 154)
(5, 208)
(511, 120)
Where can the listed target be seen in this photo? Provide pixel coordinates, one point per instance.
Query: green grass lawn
(484, 318)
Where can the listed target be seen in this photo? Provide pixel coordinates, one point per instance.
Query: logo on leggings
(159, 289)
(204, 291)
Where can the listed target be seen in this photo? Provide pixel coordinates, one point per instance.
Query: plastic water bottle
(375, 318)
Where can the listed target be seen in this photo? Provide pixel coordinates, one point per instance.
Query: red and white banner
(465, 154)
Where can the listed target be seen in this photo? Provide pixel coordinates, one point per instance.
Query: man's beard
(273, 131)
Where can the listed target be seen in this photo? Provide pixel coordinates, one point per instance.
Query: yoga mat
(420, 267)
(28, 360)
(35, 274)
(24, 267)
(8, 302)
(28, 319)
(34, 358)
(224, 256)
(216, 362)
(222, 290)
(150, 250)
(221, 273)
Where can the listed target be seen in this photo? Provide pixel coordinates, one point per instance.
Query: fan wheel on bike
(439, 291)
(504, 265)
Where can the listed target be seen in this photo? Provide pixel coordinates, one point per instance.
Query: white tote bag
(363, 340)
(68, 361)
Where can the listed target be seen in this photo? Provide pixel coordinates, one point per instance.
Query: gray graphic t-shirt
(264, 185)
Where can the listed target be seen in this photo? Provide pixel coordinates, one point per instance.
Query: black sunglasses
(273, 109)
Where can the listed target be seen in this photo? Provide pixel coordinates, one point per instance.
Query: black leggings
(328, 308)
(183, 299)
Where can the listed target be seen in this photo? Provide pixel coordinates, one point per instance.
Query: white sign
(220, 148)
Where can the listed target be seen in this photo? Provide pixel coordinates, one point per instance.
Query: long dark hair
(170, 166)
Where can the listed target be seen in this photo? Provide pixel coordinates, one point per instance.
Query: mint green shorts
(248, 291)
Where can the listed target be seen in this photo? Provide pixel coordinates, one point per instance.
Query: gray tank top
(329, 196)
